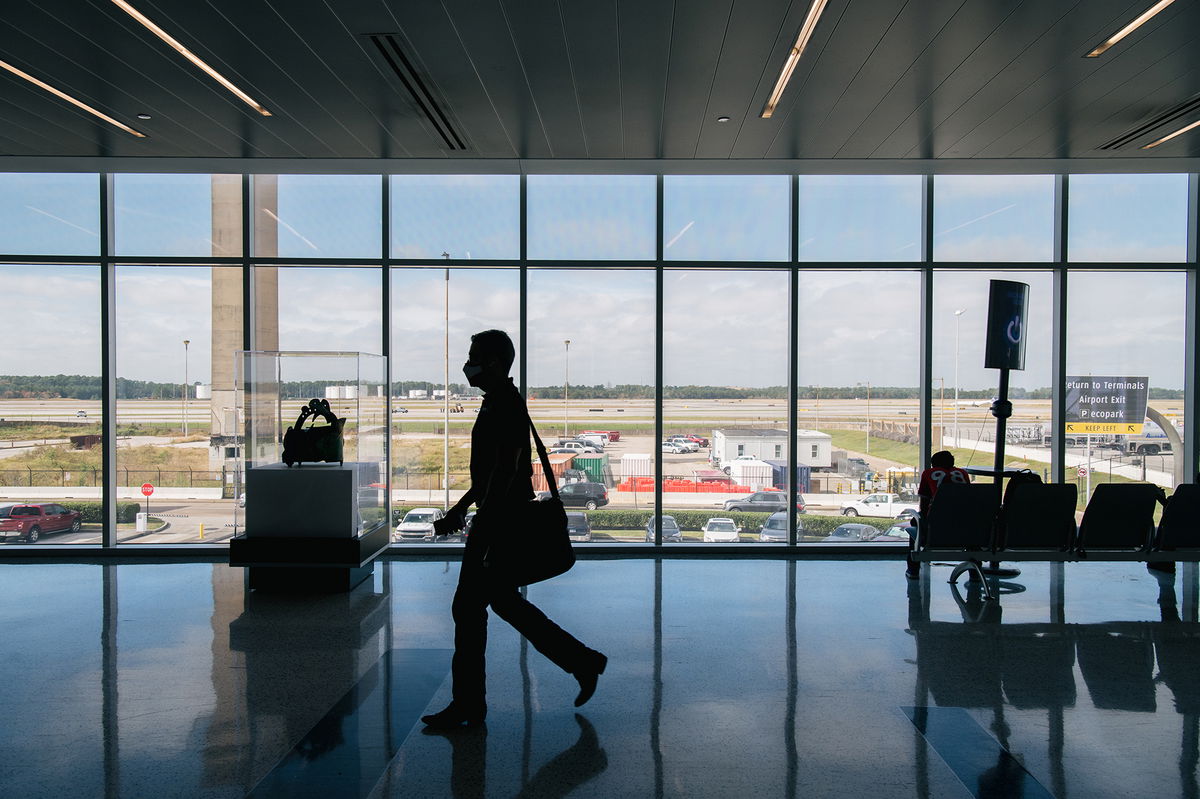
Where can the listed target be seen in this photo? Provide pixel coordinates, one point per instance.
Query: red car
(31, 522)
(701, 441)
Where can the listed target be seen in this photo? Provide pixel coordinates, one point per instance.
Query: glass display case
(337, 500)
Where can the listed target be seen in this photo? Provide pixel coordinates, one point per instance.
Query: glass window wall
(859, 401)
(463, 217)
(591, 217)
(726, 217)
(591, 394)
(725, 377)
(725, 331)
(317, 216)
(177, 215)
(1134, 359)
(860, 217)
(963, 389)
(49, 214)
(434, 314)
(993, 218)
(1127, 218)
(177, 328)
(50, 404)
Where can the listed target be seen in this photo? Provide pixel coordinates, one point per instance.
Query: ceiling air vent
(1163, 119)
(388, 45)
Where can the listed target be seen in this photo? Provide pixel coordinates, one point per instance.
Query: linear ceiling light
(64, 96)
(789, 66)
(1170, 136)
(190, 56)
(1138, 22)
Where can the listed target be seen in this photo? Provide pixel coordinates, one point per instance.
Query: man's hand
(452, 522)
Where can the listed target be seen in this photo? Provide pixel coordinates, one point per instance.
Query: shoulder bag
(539, 546)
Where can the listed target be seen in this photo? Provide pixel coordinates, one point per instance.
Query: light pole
(957, 318)
(446, 389)
(868, 417)
(566, 382)
(186, 342)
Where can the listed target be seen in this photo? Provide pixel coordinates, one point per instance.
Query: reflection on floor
(726, 678)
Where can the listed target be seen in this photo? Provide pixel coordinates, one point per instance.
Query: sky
(721, 327)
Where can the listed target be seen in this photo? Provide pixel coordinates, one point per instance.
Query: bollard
(201, 531)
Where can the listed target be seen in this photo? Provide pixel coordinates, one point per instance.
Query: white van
(600, 439)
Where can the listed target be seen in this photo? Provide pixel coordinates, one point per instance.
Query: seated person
(941, 470)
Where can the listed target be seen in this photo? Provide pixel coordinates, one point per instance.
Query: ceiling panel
(609, 79)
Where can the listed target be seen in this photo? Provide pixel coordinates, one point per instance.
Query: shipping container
(779, 475)
(559, 463)
(596, 467)
(754, 473)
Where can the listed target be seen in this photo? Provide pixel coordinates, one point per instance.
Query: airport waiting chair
(1178, 528)
(1119, 516)
(1039, 516)
(961, 524)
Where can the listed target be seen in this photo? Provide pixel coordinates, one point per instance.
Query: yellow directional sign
(1120, 428)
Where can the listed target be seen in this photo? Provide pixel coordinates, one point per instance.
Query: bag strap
(551, 480)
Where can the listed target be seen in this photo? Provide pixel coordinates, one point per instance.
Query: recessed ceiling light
(1138, 22)
(785, 74)
(722, 119)
(190, 56)
(143, 116)
(64, 96)
(1170, 136)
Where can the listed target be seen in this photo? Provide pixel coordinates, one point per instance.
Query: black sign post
(1008, 311)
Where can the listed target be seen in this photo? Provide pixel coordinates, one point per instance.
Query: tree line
(87, 387)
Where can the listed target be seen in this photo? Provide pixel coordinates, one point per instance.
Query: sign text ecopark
(1099, 404)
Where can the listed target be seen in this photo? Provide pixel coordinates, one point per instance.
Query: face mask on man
(472, 371)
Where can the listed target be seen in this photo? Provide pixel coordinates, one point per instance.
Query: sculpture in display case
(315, 495)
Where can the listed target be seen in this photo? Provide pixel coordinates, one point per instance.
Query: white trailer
(813, 448)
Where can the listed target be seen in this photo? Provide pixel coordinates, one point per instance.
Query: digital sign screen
(1008, 310)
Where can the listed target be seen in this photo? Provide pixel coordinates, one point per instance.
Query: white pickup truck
(882, 505)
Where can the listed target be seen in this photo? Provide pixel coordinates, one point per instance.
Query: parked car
(577, 446)
(584, 495)
(562, 451)
(897, 532)
(417, 525)
(596, 439)
(685, 442)
(701, 441)
(719, 530)
(578, 527)
(613, 435)
(763, 500)
(672, 448)
(30, 522)
(885, 505)
(852, 532)
(670, 530)
(774, 529)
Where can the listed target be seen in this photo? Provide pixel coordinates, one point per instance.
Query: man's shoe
(588, 678)
(455, 716)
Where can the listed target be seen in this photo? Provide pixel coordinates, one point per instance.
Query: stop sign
(147, 489)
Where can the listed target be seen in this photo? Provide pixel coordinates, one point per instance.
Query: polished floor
(727, 678)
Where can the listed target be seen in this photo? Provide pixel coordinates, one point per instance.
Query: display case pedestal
(309, 564)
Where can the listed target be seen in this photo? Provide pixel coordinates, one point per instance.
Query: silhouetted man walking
(501, 489)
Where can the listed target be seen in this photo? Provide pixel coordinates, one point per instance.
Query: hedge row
(693, 520)
(92, 512)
